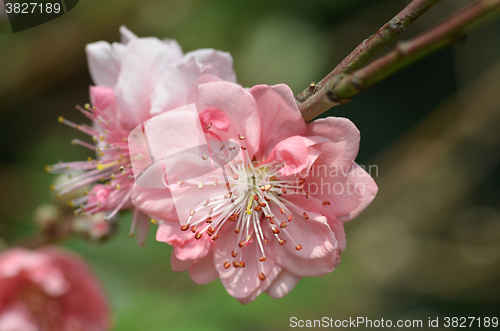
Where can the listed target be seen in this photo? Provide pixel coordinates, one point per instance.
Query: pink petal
(361, 179)
(203, 271)
(164, 143)
(213, 62)
(280, 115)
(172, 90)
(174, 131)
(203, 79)
(318, 255)
(102, 97)
(176, 86)
(193, 249)
(313, 152)
(186, 247)
(105, 62)
(330, 179)
(242, 283)
(214, 117)
(157, 203)
(313, 205)
(337, 129)
(143, 65)
(283, 284)
(126, 35)
(179, 265)
(338, 228)
(176, 49)
(293, 151)
(265, 285)
(240, 109)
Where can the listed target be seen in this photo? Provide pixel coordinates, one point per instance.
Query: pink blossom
(271, 215)
(134, 80)
(49, 290)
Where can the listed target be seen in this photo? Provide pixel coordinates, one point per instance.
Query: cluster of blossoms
(134, 81)
(267, 210)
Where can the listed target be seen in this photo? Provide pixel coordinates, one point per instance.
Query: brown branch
(369, 47)
(341, 88)
(52, 234)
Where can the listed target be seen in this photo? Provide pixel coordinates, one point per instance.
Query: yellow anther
(101, 166)
(153, 221)
(60, 119)
(249, 208)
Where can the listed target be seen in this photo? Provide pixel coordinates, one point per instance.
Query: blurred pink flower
(49, 290)
(277, 213)
(135, 80)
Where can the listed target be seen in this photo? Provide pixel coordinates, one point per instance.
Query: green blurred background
(428, 246)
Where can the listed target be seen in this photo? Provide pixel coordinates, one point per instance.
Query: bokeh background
(428, 246)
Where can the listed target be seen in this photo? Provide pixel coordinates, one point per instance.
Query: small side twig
(52, 234)
(369, 47)
(341, 88)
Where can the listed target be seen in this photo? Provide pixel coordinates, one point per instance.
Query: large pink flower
(135, 80)
(271, 215)
(49, 290)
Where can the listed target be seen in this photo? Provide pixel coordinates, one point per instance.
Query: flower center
(255, 198)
